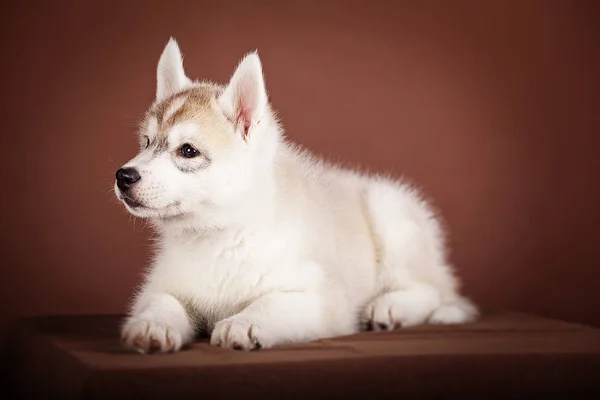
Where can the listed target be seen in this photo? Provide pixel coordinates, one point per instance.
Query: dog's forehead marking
(173, 107)
(165, 110)
(196, 104)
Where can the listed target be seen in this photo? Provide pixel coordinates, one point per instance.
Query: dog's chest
(219, 276)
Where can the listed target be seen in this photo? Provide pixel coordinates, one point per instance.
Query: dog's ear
(170, 75)
(244, 100)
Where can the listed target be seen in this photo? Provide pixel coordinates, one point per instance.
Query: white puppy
(261, 244)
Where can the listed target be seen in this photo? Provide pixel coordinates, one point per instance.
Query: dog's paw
(148, 337)
(400, 309)
(237, 333)
(459, 312)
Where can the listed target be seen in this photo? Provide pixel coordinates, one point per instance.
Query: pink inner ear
(244, 117)
(245, 100)
(246, 128)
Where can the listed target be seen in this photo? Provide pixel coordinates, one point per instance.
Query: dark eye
(147, 139)
(188, 151)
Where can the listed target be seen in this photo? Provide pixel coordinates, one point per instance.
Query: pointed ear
(244, 101)
(170, 75)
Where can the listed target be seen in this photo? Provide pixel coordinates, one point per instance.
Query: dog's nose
(126, 177)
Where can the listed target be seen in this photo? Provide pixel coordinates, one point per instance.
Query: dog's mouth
(137, 206)
(142, 210)
(132, 203)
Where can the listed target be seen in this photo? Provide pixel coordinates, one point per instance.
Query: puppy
(260, 243)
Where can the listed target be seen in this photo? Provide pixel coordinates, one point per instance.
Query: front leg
(279, 318)
(158, 324)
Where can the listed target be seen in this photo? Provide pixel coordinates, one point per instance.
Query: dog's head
(199, 142)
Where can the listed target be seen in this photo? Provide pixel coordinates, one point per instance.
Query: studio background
(492, 108)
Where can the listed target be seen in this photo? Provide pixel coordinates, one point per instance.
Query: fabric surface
(501, 355)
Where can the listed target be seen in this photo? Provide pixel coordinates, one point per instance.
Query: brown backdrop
(492, 107)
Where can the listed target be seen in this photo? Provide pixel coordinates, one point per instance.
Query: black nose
(126, 177)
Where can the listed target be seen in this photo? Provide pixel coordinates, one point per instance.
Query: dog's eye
(147, 139)
(188, 151)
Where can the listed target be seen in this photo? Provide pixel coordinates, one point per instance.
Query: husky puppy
(262, 244)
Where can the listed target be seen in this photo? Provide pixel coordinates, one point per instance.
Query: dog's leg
(281, 318)
(158, 324)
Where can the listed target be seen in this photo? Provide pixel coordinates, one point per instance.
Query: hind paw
(455, 313)
(400, 309)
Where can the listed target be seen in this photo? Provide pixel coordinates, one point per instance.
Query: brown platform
(502, 355)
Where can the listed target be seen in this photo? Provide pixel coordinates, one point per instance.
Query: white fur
(170, 76)
(270, 245)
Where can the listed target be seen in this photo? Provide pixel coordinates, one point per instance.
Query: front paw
(237, 333)
(147, 337)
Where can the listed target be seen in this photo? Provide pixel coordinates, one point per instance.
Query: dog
(260, 243)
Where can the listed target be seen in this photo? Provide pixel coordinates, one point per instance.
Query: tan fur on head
(197, 105)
